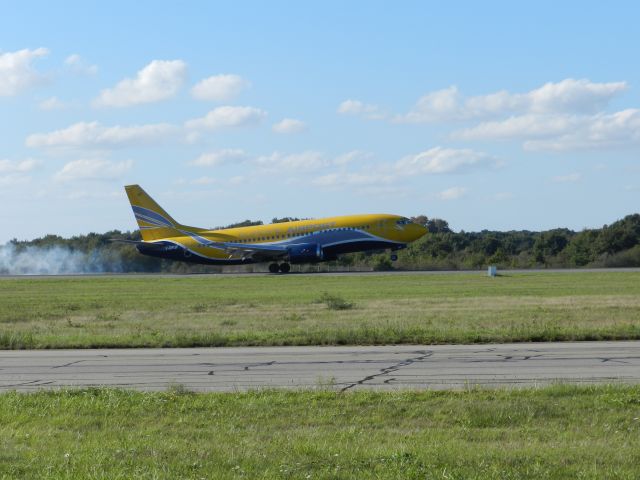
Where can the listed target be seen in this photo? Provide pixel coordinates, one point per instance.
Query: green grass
(208, 310)
(553, 432)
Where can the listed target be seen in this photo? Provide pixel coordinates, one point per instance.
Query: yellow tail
(154, 222)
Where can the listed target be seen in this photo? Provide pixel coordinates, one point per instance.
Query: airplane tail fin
(154, 222)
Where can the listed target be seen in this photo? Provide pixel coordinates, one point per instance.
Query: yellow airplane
(304, 241)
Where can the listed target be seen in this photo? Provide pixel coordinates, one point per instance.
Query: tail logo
(152, 218)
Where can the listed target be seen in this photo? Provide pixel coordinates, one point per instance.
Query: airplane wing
(256, 252)
(138, 242)
(234, 250)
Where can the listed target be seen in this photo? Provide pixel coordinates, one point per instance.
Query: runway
(502, 272)
(339, 368)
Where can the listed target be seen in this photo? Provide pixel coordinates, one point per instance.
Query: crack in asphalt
(604, 360)
(34, 383)
(506, 358)
(68, 364)
(393, 368)
(262, 364)
(486, 350)
(490, 350)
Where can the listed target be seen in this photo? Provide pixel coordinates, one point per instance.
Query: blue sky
(496, 115)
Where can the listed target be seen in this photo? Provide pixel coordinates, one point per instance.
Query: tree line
(614, 245)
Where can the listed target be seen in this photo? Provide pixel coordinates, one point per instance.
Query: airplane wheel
(394, 257)
(273, 268)
(285, 268)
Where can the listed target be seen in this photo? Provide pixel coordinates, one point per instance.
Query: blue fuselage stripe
(333, 242)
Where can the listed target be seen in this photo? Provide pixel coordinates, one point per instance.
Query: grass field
(208, 310)
(554, 432)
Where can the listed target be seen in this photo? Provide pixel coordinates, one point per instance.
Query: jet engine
(305, 253)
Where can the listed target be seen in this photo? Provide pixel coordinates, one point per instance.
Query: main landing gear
(283, 267)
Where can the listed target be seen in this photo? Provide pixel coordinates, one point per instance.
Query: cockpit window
(403, 221)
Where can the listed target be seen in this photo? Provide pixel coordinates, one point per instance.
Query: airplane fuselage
(306, 240)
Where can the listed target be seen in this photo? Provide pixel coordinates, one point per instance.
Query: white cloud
(79, 66)
(84, 194)
(52, 103)
(373, 183)
(360, 179)
(304, 161)
(440, 105)
(237, 180)
(219, 88)
(17, 73)
(277, 162)
(289, 125)
(227, 116)
(356, 107)
(437, 160)
(220, 182)
(159, 80)
(204, 181)
(14, 179)
(353, 156)
(395, 191)
(13, 173)
(440, 160)
(562, 132)
(557, 116)
(570, 178)
(220, 157)
(22, 166)
(571, 95)
(520, 127)
(94, 135)
(452, 193)
(92, 169)
(568, 96)
(616, 130)
(330, 171)
(502, 196)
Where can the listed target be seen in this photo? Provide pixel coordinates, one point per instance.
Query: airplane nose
(418, 231)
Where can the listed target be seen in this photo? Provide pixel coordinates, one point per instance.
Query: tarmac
(347, 368)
